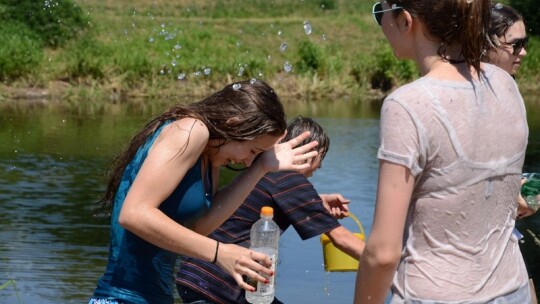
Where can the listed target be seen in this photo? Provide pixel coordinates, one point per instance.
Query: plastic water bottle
(264, 238)
(531, 190)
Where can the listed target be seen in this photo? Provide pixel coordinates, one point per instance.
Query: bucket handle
(354, 218)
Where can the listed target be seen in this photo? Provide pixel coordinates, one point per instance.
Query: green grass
(163, 49)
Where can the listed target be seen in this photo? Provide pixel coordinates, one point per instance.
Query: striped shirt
(295, 203)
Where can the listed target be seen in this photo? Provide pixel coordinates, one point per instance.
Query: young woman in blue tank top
(162, 192)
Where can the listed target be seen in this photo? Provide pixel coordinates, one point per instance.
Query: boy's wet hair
(301, 124)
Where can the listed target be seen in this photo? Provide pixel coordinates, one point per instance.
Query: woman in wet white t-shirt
(452, 148)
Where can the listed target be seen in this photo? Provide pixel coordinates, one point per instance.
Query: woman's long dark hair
(463, 23)
(253, 104)
(502, 18)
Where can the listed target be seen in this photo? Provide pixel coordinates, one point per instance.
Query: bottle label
(262, 289)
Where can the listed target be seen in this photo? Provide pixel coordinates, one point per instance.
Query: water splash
(307, 27)
(241, 71)
(207, 71)
(181, 76)
(287, 66)
(252, 81)
(236, 86)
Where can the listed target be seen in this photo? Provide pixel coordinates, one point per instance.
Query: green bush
(85, 58)
(20, 51)
(531, 14)
(383, 71)
(312, 58)
(55, 22)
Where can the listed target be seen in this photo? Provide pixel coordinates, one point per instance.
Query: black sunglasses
(378, 11)
(518, 45)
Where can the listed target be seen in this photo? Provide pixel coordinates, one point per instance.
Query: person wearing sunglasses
(510, 41)
(509, 37)
(452, 147)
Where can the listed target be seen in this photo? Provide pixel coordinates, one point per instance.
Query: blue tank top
(137, 271)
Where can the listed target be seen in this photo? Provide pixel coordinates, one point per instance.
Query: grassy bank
(169, 49)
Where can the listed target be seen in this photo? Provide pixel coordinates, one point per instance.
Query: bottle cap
(267, 210)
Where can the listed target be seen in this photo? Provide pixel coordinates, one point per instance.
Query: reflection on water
(52, 163)
(49, 242)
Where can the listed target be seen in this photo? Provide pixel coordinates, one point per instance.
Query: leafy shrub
(85, 58)
(20, 51)
(311, 58)
(531, 14)
(383, 71)
(55, 22)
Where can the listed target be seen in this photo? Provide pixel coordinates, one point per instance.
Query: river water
(52, 164)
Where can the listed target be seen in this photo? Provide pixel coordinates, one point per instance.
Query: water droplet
(283, 46)
(151, 39)
(181, 76)
(236, 86)
(252, 81)
(177, 47)
(241, 71)
(307, 27)
(287, 66)
(279, 33)
(197, 73)
(207, 71)
(161, 72)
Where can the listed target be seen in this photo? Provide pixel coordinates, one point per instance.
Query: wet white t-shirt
(465, 144)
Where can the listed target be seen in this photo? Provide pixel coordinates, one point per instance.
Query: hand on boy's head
(287, 156)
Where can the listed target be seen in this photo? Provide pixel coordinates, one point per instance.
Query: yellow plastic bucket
(337, 260)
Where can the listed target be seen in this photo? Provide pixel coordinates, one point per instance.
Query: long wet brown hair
(254, 105)
(463, 23)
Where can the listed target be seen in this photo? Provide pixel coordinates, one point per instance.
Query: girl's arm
(284, 156)
(174, 152)
(383, 248)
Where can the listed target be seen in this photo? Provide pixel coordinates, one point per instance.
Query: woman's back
(458, 242)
